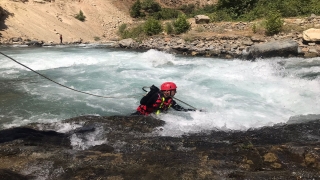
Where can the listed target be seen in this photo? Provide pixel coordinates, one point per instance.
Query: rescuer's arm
(177, 107)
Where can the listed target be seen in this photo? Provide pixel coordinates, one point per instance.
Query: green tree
(135, 10)
(181, 24)
(150, 6)
(152, 27)
(237, 8)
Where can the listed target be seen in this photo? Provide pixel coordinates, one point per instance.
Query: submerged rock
(131, 147)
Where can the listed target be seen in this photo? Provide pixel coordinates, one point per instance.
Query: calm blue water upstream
(235, 94)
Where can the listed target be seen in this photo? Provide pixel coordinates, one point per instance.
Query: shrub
(288, 28)
(96, 38)
(122, 28)
(254, 28)
(259, 27)
(168, 28)
(208, 9)
(166, 13)
(220, 16)
(181, 24)
(136, 32)
(274, 23)
(135, 9)
(80, 16)
(188, 9)
(152, 27)
(237, 8)
(200, 29)
(150, 6)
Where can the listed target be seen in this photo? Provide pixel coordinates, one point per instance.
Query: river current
(232, 94)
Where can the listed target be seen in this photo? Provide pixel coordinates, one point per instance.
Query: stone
(311, 35)
(202, 19)
(283, 48)
(126, 42)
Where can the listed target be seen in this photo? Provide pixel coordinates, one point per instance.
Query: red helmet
(167, 86)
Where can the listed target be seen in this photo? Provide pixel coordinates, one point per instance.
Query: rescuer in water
(157, 101)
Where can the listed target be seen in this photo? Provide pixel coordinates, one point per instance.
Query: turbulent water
(233, 94)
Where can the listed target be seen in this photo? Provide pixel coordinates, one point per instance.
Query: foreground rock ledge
(133, 150)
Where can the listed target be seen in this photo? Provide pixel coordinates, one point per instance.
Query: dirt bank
(43, 20)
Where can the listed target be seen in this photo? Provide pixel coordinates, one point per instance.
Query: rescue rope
(79, 90)
(57, 82)
(143, 88)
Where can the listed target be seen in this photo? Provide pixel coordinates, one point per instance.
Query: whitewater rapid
(234, 94)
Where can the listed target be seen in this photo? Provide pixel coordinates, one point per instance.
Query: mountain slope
(42, 20)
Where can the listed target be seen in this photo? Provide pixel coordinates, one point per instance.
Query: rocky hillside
(44, 20)
(179, 3)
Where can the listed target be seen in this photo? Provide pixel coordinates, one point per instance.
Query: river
(232, 94)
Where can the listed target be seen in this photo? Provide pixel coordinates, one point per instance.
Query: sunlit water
(234, 94)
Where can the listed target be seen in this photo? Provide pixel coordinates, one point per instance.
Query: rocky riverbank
(40, 23)
(226, 46)
(123, 148)
(227, 40)
(232, 40)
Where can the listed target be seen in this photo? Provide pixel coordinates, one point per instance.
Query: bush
(254, 28)
(237, 8)
(80, 16)
(205, 10)
(150, 6)
(122, 28)
(168, 28)
(181, 24)
(166, 13)
(136, 32)
(135, 9)
(274, 23)
(152, 27)
(220, 16)
(188, 9)
(96, 38)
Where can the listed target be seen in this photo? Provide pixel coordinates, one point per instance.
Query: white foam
(81, 142)
(236, 94)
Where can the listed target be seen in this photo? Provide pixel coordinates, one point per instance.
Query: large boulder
(202, 19)
(311, 35)
(283, 48)
(35, 43)
(128, 43)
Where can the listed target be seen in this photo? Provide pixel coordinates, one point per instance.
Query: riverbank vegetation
(175, 20)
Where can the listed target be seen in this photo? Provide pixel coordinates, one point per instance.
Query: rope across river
(110, 97)
(53, 80)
